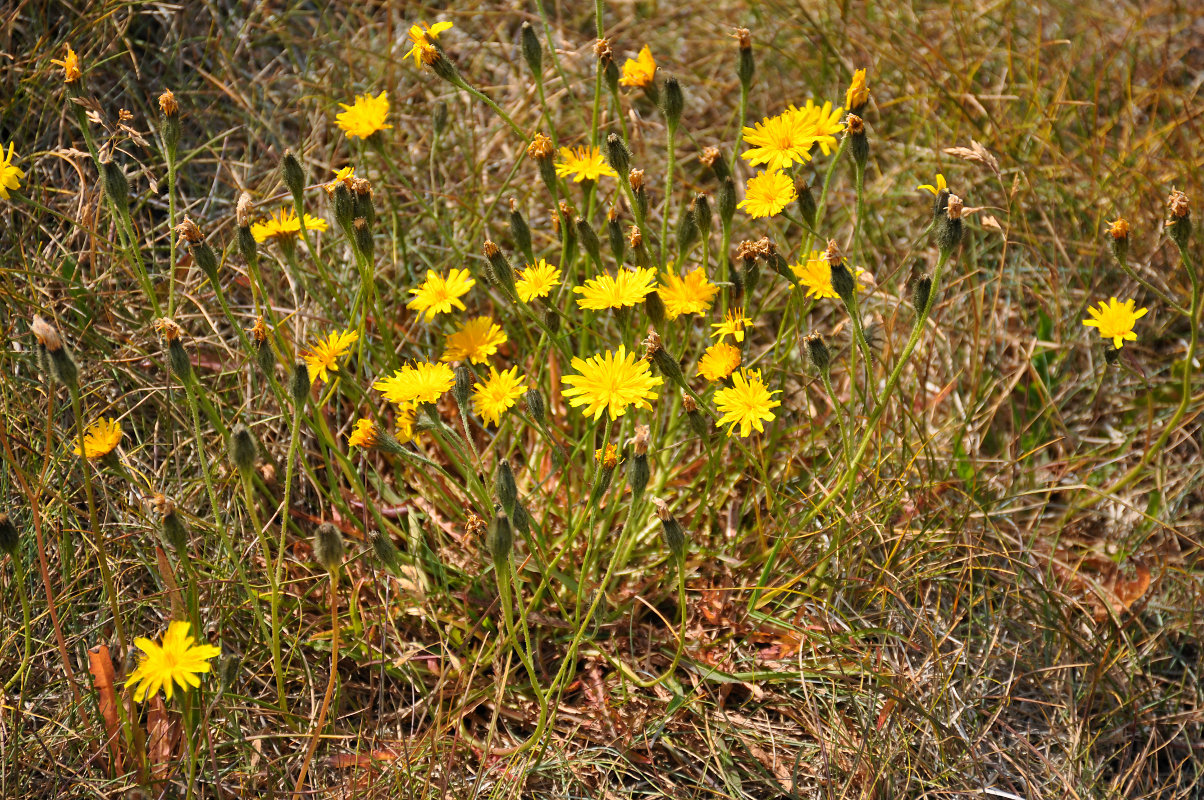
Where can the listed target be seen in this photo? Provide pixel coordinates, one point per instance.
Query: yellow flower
(608, 456)
(365, 116)
(692, 294)
(423, 38)
(536, 280)
(858, 94)
(344, 176)
(610, 382)
(1119, 228)
(10, 173)
(403, 425)
(439, 295)
(940, 185)
(639, 71)
(734, 323)
(70, 65)
(746, 403)
(365, 434)
(475, 341)
(584, 163)
(100, 438)
(1115, 319)
(177, 661)
(778, 142)
(719, 361)
(284, 225)
(626, 289)
(821, 123)
(816, 274)
(421, 383)
(324, 355)
(497, 394)
(767, 193)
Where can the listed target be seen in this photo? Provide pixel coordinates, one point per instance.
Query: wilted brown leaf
(100, 664)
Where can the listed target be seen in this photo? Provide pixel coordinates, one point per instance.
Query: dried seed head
(743, 37)
(709, 156)
(603, 51)
(473, 526)
(53, 355)
(540, 147)
(491, 249)
(328, 547)
(854, 125)
(1178, 205)
(190, 232)
(244, 210)
(168, 105)
(636, 178)
(955, 207)
(639, 442)
(634, 238)
(688, 404)
(46, 334)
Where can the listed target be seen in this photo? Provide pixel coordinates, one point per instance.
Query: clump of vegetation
(539, 409)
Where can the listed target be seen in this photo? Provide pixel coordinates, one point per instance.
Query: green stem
(26, 618)
(278, 569)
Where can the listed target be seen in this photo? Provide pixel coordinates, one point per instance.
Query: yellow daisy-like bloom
(626, 289)
(179, 660)
(608, 456)
(719, 361)
(821, 123)
(778, 142)
(365, 434)
(439, 294)
(10, 173)
(584, 164)
(537, 280)
(858, 94)
(420, 383)
(746, 403)
(497, 394)
(691, 294)
(639, 71)
(610, 382)
(767, 193)
(325, 353)
(940, 185)
(423, 38)
(100, 438)
(734, 323)
(284, 224)
(475, 341)
(365, 116)
(344, 176)
(1115, 319)
(70, 65)
(816, 274)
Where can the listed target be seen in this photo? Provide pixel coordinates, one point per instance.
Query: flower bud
(500, 539)
(1111, 356)
(713, 158)
(532, 50)
(805, 202)
(299, 383)
(843, 283)
(171, 527)
(589, 240)
(551, 320)
(673, 102)
(697, 422)
(745, 67)
(727, 200)
(614, 232)
(363, 238)
(328, 547)
(818, 352)
(859, 146)
(507, 490)
(293, 174)
(687, 232)
(535, 406)
(949, 225)
(499, 266)
(1118, 237)
(243, 450)
(439, 118)
(386, 551)
(116, 185)
(675, 536)
(700, 210)
(655, 307)
(617, 154)
(169, 119)
(521, 520)
(462, 389)
(178, 359)
(521, 232)
(344, 206)
(9, 537)
(53, 354)
(637, 471)
(921, 292)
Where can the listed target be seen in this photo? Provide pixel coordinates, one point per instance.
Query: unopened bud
(116, 185)
(9, 537)
(655, 307)
(500, 539)
(499, 267)
(687, 232)
(293, 174)
(589, 240)
(507, 490)
(178, 359)
(299, 383)
(462, 389)
(921, 292)
(637, 471)
(385, 550)
(617, 154)
(818, 352)
(614, 232)
(328, 547)
(344, 206)
(243, 450)
(173, 529)
(1178, 225)
(535, 406)
(700, 210)
(697, 422)
(53, 354)
(439, 118)
(949, 225)
(673, 102)
(675, 535)
(532, 50)
(727, 200)
(805, 201)
(363, 237)
(521, 232)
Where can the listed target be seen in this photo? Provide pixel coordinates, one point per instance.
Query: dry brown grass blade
(163, 735)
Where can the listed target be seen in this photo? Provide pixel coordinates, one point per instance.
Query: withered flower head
(474, 526)
(640, 442)
(743, 37)
(1179, 205)
(243, 210)
(124, 115)
(259, 333)
(162, 504)
(662, 509)
(854, 125)
(688, 404)
(540, 147)
(955, 208)
(635, 238)
(602, 50)
(168, 104)
(832, 254)
(491, 249)
(652, 343)
(167, 328)
(361, 186)
(746, 251)
(636, 179)
(1119, 229)
(46, 334)
(612, 213)
(190, 232)
(709, 156)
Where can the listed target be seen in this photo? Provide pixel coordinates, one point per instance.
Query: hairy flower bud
(532, 51)
(673, 102)
(116, 185)
(462, 389)
(53, 355)
(949, 225)
(727, 200)
(617, 154)
(700, 210)
(243, 450)
(386, 552)
(293, 174)
(655, 307)
(675, 535)
(614, 232)
(746, 66)
(500, 539)
(299, 383)
(328, 547)
(921, 292)
(507, 489)
(589, 240)
(818, 352)
(499, 266)
(9, 536)
(535, 406)
(697, 422)
(521, 232)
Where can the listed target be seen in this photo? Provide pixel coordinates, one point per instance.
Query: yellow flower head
(537, 280)
(746, 403)
(691, 294)
(610, 382)
(858, 94)
(778, 142)
(439, 294)
(365, 116)
(10, 173)
(608, 456)
(639, 71)
(365, 434)
(100, 438)
(424, 38)
(815, 273)
(475, 341)
(70, 65)
(325, 353)
(584, 164)
(626, 289)
(719, 361)
(284, 224)
(734, 323)
(940, 185)
(420, 383)
(767, 193)
(821, 123)
(497, 394)
(344, 176)
(1115, 319)
(1119, 229)
(179, 660)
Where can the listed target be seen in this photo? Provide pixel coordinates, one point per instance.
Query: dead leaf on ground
(100, 664)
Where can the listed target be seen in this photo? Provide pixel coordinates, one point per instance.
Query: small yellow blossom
(439, 294)
(325, 353)
(689, 294)
(734, 323)
(420, 383)
(424, 38)
(365, 434)
(475, 341)
(610, 382)
(719, 361)
(628, 288)
(344, 176)
(815, 273)
(767, 193)
(640, 71)
(177, 661)
(940, 185)
(747, 403)
(584, 163)
(365, 116)
(100, 438)
(858, 94)
(497, 394)
(10, 173)
(284, 224)
(1115, 320)
(537, 280)
(70, 65)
